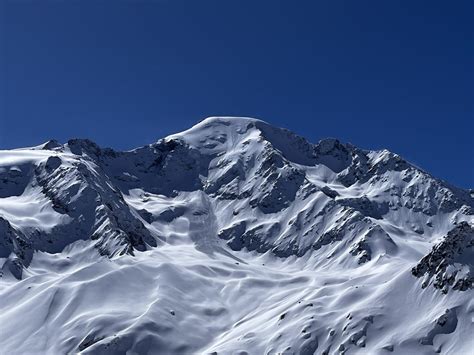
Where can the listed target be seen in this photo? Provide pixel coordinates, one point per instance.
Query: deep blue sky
(380, 74)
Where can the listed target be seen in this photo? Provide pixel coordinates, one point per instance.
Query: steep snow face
(233, 236)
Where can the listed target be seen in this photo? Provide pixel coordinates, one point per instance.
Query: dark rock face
(13, 181)
(332, 153)
(234, 231)
(83, 146)
(164, 168)
(16, 247)
(255, 238)
(366, 207)
(329, 192)
(51, 145)
(451, 262)
(279, 190)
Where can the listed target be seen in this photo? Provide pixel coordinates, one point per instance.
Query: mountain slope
(231, 236)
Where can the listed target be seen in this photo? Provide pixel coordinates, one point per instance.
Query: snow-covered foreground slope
(232, 237)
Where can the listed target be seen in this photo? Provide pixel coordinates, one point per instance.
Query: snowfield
(233, 237)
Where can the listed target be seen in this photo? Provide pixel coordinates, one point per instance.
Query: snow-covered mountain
(233, 237)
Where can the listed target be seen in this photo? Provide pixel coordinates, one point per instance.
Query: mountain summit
(233, 236)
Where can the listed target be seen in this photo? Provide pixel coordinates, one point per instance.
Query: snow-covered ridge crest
(313, 193)
(276, 223)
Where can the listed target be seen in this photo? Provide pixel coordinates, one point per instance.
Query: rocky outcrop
(15, 247)
(451, 261)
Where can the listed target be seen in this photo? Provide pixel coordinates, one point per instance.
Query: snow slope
(231, 237)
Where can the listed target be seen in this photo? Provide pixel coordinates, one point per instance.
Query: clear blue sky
(380, 74)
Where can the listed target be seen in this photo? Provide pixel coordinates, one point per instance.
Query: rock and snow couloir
(231, 236)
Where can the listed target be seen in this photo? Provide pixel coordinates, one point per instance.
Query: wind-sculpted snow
(233, 237)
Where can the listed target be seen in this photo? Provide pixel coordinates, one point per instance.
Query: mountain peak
(215, 135)
(228, 120)
(214, 123)
(238, 205)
